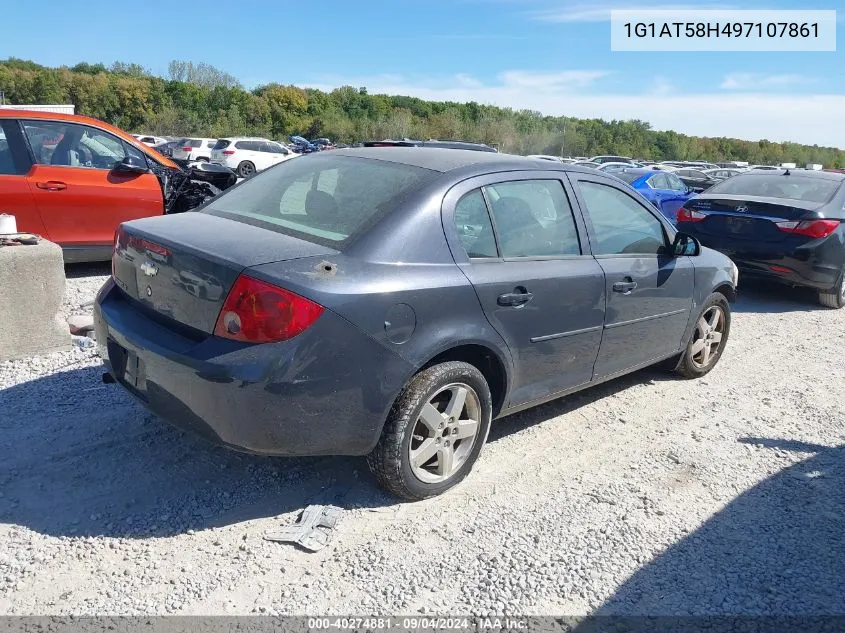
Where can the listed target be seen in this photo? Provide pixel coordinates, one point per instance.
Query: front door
(80, 200)
(648, 292)
(536, 287)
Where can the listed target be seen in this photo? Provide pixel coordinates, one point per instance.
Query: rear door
(15, 196)
(648, 293)
(538, 286)
(80, 200)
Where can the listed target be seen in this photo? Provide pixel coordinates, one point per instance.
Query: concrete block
(32, 285)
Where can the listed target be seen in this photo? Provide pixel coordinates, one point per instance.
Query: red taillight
(187, 148)
(780, 269)
(258, 312)
(688, 215)
(141, 244)
(228, 152)
(811, 228)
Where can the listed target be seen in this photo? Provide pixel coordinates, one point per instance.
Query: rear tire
(246, 169)
(434, 432)
(202, 159)
(835, 297)
(709, 338)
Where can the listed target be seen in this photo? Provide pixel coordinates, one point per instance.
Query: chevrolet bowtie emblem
(149, 269)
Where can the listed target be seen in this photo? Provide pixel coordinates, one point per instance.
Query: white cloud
(600, 12)
(804, 118)
(756, 81)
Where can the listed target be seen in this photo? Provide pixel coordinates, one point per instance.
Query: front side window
(73, 145)
(658, 181)
(675, 183)
(474, 227)
(621, 225)
(533, 218)
(8, 163)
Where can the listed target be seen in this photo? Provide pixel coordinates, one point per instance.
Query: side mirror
(686, 245)
(131, 165)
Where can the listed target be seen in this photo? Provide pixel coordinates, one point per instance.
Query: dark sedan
(391, 302)
(696, 179)
(783, 225)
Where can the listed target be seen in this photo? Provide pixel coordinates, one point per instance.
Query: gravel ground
(647, 495)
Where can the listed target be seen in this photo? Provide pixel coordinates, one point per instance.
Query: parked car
(191, 149)
(150, 141)
(663, 189)
(696, 179)
(784, 225)
(585, 163)
(329, 334)
(248, 156)
(166, 148)
(722, 173)
(73, 180)
(611, 167)
(611, 159)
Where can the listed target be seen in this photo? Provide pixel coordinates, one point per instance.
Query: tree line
(201, 100)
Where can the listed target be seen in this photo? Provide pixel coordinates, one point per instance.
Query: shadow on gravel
(78, 271)
(80, 458)
(765, 297)
(777, 549)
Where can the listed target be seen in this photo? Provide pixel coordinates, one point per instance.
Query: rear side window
(533, 218)
(222, 144)
(211, 144)
(195, 142)
(11, 162)
(474, 227)
(621, 225)
(325, 199)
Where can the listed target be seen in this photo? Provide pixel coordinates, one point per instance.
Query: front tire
(709, 338)
(434, 433)
(835, 297)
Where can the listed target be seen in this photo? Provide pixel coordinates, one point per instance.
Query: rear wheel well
(728, 290)
(486, 362)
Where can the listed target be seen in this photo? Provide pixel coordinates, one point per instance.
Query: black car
(392, 302)
(696, 179)
(783, 225)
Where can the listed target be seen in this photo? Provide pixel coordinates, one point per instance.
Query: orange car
(73, 180)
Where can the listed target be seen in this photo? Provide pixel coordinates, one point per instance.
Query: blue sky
(548, 55)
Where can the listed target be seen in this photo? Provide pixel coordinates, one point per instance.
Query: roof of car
(443, 160)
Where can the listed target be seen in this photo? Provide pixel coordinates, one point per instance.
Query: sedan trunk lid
(181, 267)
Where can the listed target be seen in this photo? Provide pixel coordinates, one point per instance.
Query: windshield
(324, 199)
(790, 187)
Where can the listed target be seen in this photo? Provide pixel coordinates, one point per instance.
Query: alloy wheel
(707, 338)
(445, 433)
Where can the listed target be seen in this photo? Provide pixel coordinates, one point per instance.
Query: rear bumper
(815, 264)
(325, 392)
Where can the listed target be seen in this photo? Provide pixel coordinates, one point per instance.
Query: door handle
(625, 287)
(51, 185)
(517, 298)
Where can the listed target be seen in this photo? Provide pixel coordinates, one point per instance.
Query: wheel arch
(489, 361)
(728, 290)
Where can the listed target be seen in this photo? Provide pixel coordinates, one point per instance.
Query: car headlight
(734, 275)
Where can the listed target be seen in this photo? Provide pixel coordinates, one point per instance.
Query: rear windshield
(324, 199)
(221, 144)
(792, 187)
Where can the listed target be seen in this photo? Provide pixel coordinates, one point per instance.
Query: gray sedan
(392, 302)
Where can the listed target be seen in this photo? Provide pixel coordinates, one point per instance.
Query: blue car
(662, 188)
